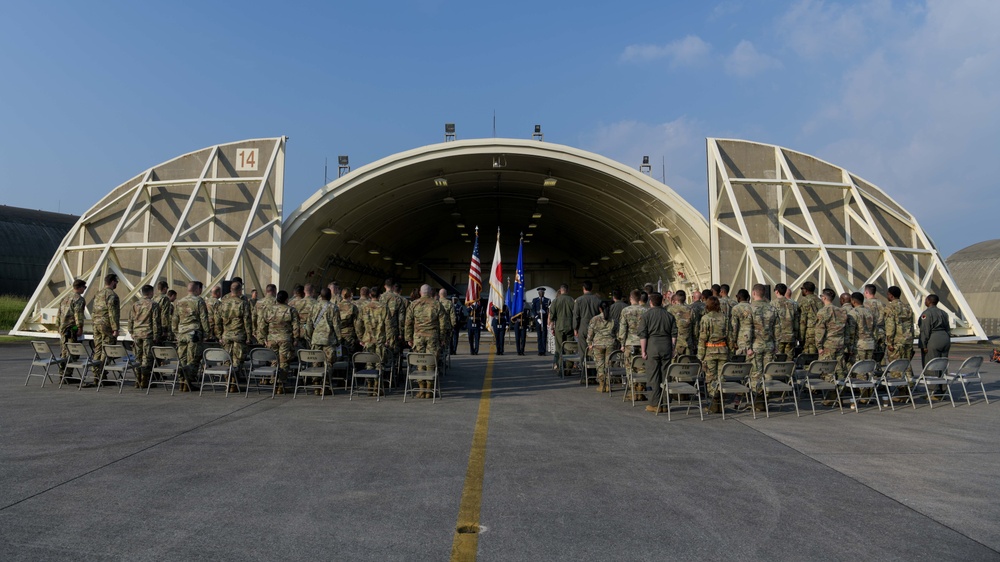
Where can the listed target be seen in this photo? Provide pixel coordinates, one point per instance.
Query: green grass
(10, 310)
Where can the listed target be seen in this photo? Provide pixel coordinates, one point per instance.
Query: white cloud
(815, 28)
(677, 145)
(682, 52)
(746, 61)
(724, 9)
(917, 116)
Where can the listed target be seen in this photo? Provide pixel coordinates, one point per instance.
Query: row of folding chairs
(218, 370)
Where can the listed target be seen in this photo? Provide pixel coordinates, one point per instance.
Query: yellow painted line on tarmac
(466, 542)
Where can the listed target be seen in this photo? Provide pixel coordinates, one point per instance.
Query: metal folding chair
(681, 379)
(926, 380)
(687, 359)
(45, 358)
(636, 377)
(779, 377)
(117, 364)
(892, 384)
(218, 370)
(734, 381)
(812, 381)
(616, 370)
(429, 373)
(588, 371)
(570, 356)
(312, 365)
(968, 372)
(166, 368)
(854, 381)
(361, 371)
(77, 365)
(262, 371)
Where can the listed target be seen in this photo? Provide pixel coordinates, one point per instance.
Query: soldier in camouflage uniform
(144, 326)
(601, 342)
(211, 301)
(236, 321)
(350, 323)
(166, 307)
(628, 335)
(831, 324)
(726, 302)
(786, 329)
(863, 334)
(845, 301)
(713, 349)
(761, 352)
(809, 306)
(898, 331)
(326, 328)
(306, 307)
(687, 341)
(697, 311)
(298, 293)
(190, 324)
(258, 311)
(449, 313)
(740, 324)
(106, 315)
(280, 328)
(425, 328)
(371, 333)
(71, 317)
(395, 320)
(878, 310)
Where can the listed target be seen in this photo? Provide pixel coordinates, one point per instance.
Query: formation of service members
(713, 328)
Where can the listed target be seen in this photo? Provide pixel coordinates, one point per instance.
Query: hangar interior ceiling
(780, 216)
(583, 217)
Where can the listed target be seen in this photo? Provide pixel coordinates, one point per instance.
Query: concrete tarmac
(570, 474)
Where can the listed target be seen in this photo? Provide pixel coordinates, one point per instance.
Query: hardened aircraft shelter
(775, 216)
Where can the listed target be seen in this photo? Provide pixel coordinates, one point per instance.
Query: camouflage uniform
(425, 327)
(280, 328)
(236, 321)
(306, 307)
(71, 318)
(831, 323)
(726, 305)
(878, 311)
(713, 348)
(372, 326)
(601, 340)
(107, 318)
(899, 334)
(809, 306)
(741, 329)
(166, 309)
(697, 312)
(628, 334)
(144, 326)
(258, 313)
(395, 320)
(190, 324)
(863, 333)
(326, 330)
(764, 318)
(214, 329)
(686, 338)
(786, 329)
(449, 313)
(350, 326)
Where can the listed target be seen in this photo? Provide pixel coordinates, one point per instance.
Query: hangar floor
(569, 474)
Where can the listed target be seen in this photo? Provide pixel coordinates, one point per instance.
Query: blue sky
(904, 94)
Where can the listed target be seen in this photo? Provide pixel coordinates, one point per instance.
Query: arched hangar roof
(976, 270)
(596, 208)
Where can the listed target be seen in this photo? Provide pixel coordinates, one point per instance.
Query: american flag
(475, 275)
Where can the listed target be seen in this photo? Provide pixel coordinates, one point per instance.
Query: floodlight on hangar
(537, 135)
(645, 167)
(449, 132)
(343, 165)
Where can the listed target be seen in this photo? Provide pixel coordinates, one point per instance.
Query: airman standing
(144, 327)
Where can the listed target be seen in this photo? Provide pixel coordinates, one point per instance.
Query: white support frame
(823, 270)
(252, 207)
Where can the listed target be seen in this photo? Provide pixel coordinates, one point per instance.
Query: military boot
(715, 407)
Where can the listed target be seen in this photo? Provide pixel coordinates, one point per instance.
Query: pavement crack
(130, 455)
